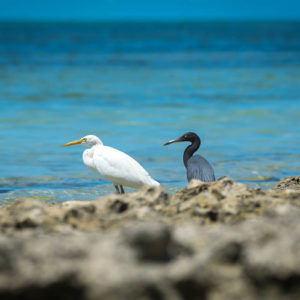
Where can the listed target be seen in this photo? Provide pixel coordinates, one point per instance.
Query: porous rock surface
(292, 183)
(220, 240)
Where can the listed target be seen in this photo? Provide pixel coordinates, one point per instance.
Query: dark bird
(197, 167)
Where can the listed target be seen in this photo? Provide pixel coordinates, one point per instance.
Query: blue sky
(148, 9)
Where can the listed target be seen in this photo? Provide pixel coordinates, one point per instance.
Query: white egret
(113, 165)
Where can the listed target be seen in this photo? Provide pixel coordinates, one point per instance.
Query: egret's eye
(84, 139)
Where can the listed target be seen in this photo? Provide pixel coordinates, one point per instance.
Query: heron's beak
(72, 143)
(174, 141)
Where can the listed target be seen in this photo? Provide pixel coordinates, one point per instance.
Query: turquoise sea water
(138, 85)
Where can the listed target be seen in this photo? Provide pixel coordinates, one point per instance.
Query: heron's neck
(190, 150)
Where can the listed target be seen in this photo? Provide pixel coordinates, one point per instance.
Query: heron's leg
(122, 189)
(117, 188)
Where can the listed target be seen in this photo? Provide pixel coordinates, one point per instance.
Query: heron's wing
(199, 168)
(119, 167)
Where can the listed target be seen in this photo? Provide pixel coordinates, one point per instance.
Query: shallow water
(138, 85)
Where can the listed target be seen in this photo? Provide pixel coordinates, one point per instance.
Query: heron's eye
(84, 139)
(185, 136)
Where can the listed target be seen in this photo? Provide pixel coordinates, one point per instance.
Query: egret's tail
(154, 183)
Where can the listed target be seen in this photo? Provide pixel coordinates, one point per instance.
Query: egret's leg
(117, 188)
(122, 189)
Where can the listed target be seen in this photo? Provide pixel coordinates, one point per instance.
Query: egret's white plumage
(113, 165)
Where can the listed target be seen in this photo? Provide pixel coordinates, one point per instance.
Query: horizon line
(147, 20)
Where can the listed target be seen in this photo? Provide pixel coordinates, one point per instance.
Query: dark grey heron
(197, 167)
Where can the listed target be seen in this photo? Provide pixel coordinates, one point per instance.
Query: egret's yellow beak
(73, 143)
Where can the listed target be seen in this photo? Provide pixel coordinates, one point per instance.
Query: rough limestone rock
(292, 183)
(220, 240)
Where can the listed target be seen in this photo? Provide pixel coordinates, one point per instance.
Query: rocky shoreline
(220, 240)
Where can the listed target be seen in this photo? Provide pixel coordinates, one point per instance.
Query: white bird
(113, 165)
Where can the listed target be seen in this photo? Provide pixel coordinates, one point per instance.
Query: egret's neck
(88, 153)
(92, 148)
(88, 157)
(95, 143)
(190, 150)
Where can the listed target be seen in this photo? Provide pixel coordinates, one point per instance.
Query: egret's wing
(199, 168)
(119, 167)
